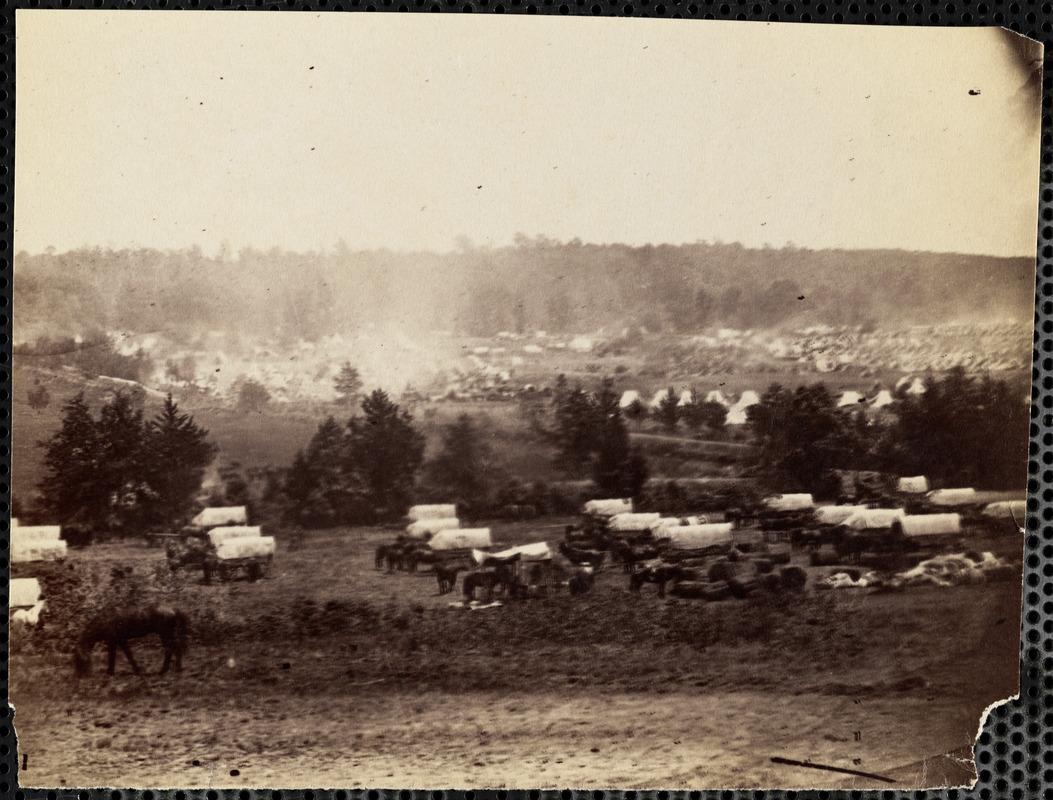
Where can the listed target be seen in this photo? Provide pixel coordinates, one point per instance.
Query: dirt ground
(438, 697)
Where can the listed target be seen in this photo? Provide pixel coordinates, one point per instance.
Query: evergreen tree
(464, 466)
(348, 384)
(612, 442)
(122, 470)
(177, 452)
(70, 488)
(668, 412)
(385, 451)
(575, 431)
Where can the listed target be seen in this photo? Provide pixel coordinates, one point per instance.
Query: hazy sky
(170, 129)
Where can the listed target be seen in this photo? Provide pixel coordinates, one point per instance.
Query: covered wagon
(917, 484)
(789, 502)
(26, 602)
(253, 554)
(217, 536)
(426, 528)
(835, 515)
(37, 543)
(696, 537)
(433, 511)
(608, 508)
(952, 497)
(220, 516)
(461, 539)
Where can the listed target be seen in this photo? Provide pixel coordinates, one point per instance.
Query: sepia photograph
(431, 402)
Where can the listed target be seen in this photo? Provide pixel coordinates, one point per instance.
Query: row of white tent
(737, 410)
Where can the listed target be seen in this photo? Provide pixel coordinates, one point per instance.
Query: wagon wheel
(255, 571)
(224, 572)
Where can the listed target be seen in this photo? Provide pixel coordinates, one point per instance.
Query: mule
(117, 626)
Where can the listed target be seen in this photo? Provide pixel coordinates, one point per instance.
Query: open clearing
(331, 673)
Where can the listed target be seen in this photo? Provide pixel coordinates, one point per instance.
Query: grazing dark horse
(117, 626)
(447, 576)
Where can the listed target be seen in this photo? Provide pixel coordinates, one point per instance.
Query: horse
(381, 555)
(592, 558)
(581, 581)
(189, 553)
(117, 626)
(655, 572)
(631, 555)
(490, 580)
(447, 576)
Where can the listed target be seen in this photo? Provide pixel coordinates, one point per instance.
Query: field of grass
(564, 691)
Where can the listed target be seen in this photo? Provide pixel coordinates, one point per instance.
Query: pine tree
(122, 478)
(385, 451)
(347, 384)
(611, 440)
(177, 452)
(464, 464)
(70, 489)
(667, 412)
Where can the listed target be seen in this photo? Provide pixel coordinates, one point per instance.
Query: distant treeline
(537, 284)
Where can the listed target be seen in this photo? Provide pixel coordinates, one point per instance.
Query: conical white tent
(629, 397)
(717, 397)
(659, 397)
(849, 399)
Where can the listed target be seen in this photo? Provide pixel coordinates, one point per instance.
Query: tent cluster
(736, 411)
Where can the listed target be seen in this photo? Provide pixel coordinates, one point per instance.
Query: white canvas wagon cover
(434, 511)
(423, 528)
(789, 502)
(623, 523)
(461, 539)
(608, 508)
(929, 524)
(835, 515)
(37, 550)
(1007, 509)
(952, 497)
(219, 535)
(36, 533)
(696, 537)
(874, 518)
(216, 517)
(246, 547)
(25, 592)
(918, 484)
(540, 551)
(26, 602)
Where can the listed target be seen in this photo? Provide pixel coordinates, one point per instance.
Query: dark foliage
(363, 474)
(117, 474)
